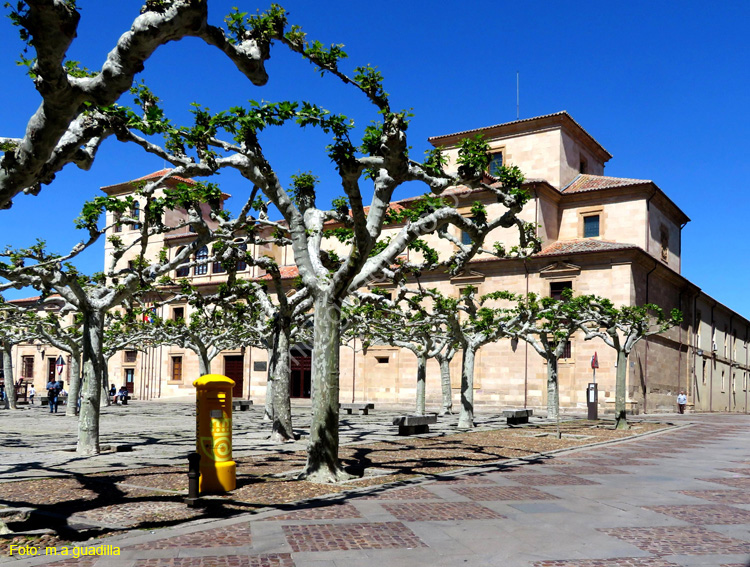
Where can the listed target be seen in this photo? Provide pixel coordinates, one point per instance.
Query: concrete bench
(241, 405)
(61, 400)
(414, 424)
(362, 409)
(517, 416)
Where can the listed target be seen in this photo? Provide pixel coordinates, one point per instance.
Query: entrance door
(51, 371)
(130, 380)
(233, 368)
(301, 376)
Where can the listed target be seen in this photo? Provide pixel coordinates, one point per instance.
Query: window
(664, 239)
(241, 264)
(130, 355)
(567, 351)
(218, 268)
(556, 289)
(466, 238)
(201, 269)
(176, 369)
(582, 166)
(496, 162)
(136, 214)
(27, 368)
(382, 359)
(591, 226)
(116, 220)
(178, 313)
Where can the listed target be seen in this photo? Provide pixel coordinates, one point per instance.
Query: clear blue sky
(662, 85)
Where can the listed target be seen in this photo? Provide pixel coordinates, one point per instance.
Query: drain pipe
(526, 351)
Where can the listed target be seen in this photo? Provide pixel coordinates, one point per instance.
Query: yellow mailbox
(213, 415)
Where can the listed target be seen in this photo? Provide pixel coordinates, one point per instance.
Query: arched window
(135, 212)
(182, 271)
(201, 269)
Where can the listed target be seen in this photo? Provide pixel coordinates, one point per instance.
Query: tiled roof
(151, 176)
(586, 182)
(287, 273)
(563, 247)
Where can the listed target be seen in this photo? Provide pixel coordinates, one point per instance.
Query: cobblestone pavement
(668, 504)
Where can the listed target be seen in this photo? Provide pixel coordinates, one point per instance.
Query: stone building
(615, 237)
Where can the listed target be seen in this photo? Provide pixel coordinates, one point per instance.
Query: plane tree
(17, 326)
(621, 329)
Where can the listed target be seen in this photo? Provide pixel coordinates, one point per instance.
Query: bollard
(213, 418)
(194, 464)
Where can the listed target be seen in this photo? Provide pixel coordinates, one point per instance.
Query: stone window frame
(492, 152)
(176, 358)
(590, 212)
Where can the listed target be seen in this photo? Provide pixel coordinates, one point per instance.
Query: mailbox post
(592, 400)
(213, 415)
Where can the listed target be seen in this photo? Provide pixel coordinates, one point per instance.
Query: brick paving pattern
(705, 514)
(497, 493)
(548, 479)
(335, 512)
(230, 536)
(135, 513)
(690, 540)
(269, 560)
(409, 493)
(614, 462)
(587, 469)
(344, 537)
(441, 511)
(463, 480)
(617, 562)
(721, 496)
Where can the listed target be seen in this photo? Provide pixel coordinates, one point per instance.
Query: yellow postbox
(213, 424)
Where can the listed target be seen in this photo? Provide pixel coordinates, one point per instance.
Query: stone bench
(362, 409)
(241, 405)
(414, 424)
(517, 416)
(61, 400)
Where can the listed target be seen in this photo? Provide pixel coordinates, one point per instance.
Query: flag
(149, 315)
(59, 365)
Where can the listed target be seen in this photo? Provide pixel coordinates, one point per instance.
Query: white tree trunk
(204, 362)
(270, 387)
(553, 389)
(93, 375)
(466, 417)
(445, 383)
(621, 420)
(421, 384)
(9, 380)
(322, 453)
(74, 390)
(279, 366)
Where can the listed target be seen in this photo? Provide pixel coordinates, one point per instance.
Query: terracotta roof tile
(562, 247)
(287, 273)
(149, 177)
(586, 182)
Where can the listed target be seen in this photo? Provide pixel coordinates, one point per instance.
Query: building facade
(615, 237)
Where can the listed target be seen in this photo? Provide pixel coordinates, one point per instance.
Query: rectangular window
(178, 313)
(567, 351)
(382, 359)
(496, 162)
(591, 226)
(218, 268)
(130, 355)
(177, 369)
(27, 368)
(116, 220)
(556, 289)
(466, 238)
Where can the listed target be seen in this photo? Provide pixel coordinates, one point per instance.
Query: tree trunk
(204, 362)
(270, 386)
(466, 417)
(279, 366)
(421, 384)
(323, 451)
(75, 385)
(9, 381)
(445, 383)
(105, 400)
(621, 420)
(93, 375)
(553, 389)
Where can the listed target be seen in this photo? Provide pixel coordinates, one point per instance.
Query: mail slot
(213, 424)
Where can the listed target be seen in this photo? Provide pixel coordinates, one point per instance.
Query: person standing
(52, 395)
(31, 393)
(682, 402)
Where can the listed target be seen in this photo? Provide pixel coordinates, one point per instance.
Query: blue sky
(662, 85)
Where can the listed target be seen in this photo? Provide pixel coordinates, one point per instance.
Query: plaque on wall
(260, 366)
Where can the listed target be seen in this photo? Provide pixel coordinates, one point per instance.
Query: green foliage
(263, 26)
(74, 69)
(324, 58)
(303, 189)
(435, 161)
(473, 157)
(371, 82)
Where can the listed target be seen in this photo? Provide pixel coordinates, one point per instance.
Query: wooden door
(233, 369)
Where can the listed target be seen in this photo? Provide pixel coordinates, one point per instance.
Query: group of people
(118, 396)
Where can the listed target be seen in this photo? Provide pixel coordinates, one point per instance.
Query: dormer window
(591, 226)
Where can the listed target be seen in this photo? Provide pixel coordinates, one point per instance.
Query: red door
(301, 376)
(233, 368)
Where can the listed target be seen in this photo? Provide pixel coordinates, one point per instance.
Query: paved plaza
(674, 498)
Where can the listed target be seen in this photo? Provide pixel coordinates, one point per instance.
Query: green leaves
(473, 158)
(263, 26)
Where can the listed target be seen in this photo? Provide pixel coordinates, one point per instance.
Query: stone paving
(661, 508)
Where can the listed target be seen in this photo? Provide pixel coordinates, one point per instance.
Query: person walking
(52, 395)
(31, 393)
(682, 402)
